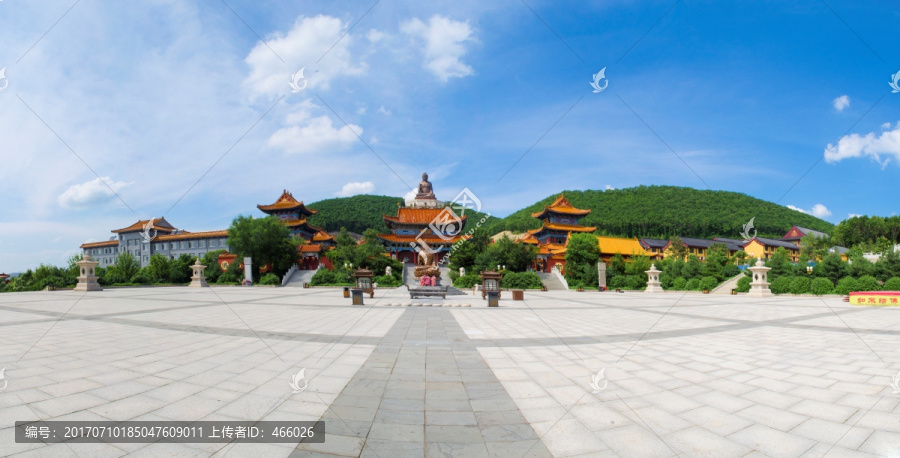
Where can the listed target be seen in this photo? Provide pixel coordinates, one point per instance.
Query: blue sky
(184, 109)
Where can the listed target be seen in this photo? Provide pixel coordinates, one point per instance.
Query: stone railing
(290, 273)
(562, 279)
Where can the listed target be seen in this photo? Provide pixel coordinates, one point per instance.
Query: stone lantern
(759, 287)
(87, 278)
(653, 285)
(364, 280)
(490, 281)
(198, 279)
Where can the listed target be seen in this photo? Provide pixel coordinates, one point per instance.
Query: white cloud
(854, 145)
(817, 210)
(841, 102)
(820, 211)
(410, 196)
(304, 45)
(91, 193)
(318, 136)
(444, 45)
(374, 35)
(361, 111)
(853, 215)
(356, 187)
(609, 188)
(384, 110)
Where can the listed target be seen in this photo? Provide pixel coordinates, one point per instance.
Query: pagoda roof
(322, 236)
(108, 243)
(732, 244)
(562, 206)
(287, 202)
(773, 243)
(430, 239)
(562, 227)
(653, 243)
(292, 223)
(416, 216)
(156, 224)
(552, 248)
(190, 235)
(624, 246)
(797, 232)
(309, 248)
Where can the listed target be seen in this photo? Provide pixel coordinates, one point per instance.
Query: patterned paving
(683, 375)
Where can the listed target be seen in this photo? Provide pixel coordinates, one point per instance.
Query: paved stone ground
(683, 374)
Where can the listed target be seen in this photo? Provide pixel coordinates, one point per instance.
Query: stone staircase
(551, 281)
(727, 285)
(300, 277)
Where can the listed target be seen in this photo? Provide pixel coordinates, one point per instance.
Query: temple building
(655, 248)
(145, 238)
(796, 233)
(627, 247)
(426, 224)
(293, 214)
(558, 221)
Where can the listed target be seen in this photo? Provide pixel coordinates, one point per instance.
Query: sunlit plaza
(562, 373)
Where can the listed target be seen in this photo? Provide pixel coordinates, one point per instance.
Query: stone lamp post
(653, 284)
(198, 279)
(87, 278)
(759, 287)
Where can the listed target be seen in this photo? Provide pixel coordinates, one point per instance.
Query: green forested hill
(361, 212)
(356, 213)
(664, 211)
(644, 211)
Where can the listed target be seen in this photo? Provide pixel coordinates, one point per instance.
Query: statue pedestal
(87, 280)
(426, 203)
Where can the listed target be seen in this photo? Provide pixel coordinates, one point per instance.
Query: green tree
(860, 267)
(892, 284)
(266, 241)
(677, 248)
(888, 266)
(466, 253)
(517, 257)
(831, 268)
(846, 285)
(158, 269)
(693, 268)
(820, 286)
(717, 260)
(582, 254)
(780, 263)
(211, 261)
(180, 268)
(122, 271)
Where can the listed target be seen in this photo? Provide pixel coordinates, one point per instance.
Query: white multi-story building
(148, 237)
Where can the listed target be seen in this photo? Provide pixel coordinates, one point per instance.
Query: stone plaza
(562, 373)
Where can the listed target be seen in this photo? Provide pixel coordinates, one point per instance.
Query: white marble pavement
(683, 374)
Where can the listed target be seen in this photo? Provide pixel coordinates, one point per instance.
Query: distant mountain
(361, 212)
(664, 211)
(644, 211)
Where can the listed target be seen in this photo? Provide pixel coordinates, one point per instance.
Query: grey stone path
(425, 391)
